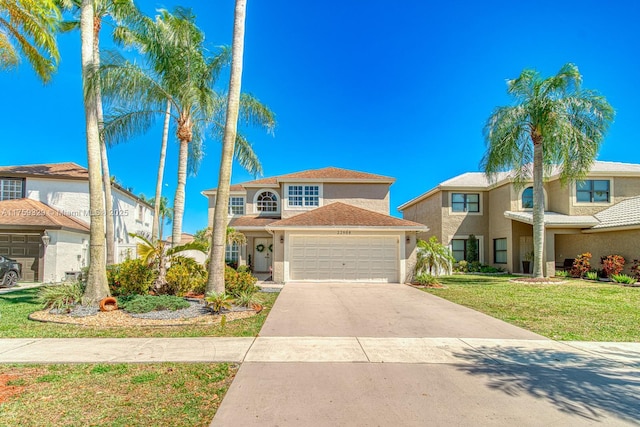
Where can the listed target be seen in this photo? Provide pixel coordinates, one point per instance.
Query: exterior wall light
(46, 239)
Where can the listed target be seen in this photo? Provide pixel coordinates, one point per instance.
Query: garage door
(24, 248)
(344, 258)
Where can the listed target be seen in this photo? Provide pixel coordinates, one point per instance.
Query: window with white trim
(593, 191)
(304, 196)
(464, 202)
(236, 205)
(459, 249)
(232, 253)
(267, 201)
(11, 188)
(500, 251)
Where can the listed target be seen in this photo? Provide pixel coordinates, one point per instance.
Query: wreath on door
(271, 247)
(260, 247)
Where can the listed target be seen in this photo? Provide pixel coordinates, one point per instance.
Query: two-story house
(327, 224)
(600, 214)
(45, 216)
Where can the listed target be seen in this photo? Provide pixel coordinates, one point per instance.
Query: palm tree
(433, 257)
(30, 26)
(183, 75)
(554, 123)
(165, 216)
(97, 286)
(215, 281)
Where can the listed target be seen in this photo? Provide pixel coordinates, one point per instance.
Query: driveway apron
(339, 354)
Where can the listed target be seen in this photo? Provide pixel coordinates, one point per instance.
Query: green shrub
(581, 265)
(113, 278)
(235, 283)
(474, 267)
(463, 266)
(186, 275)
(426, 279)
(623, 278)
(244, 269)
(592, 275)
(490, 269)
(147, 303)
(635, 269)
(247, 299)
(219, 301)
(60, 297)
(134, 277)
(612, 265)
(562, 273)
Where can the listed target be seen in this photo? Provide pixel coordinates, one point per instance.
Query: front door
(263, 254)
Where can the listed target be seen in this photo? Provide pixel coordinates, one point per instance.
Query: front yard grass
(164, 394)
(577, 310)
(15, 308)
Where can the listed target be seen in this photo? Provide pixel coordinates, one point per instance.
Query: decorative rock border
(538, 281)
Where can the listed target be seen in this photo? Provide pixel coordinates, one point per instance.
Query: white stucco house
(327, 224)
(44, 219)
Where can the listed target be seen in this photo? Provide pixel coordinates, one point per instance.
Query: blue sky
(393, 88)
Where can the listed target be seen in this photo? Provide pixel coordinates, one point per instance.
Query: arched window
(527, 198)
(267, 201)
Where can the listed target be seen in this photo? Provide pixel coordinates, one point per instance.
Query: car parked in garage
(9, 271)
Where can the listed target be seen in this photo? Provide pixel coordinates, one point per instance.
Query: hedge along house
(327, 224)
(600, 214)
(44, 219)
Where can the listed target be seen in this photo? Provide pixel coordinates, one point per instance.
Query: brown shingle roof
(251, 221)
(62, 170)
(32, 213)
(343, 215)
(325, 174)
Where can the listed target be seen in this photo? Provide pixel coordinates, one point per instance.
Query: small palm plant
(433, 257)
(218, 301)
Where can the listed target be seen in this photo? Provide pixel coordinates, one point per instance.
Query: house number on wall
(344, 232)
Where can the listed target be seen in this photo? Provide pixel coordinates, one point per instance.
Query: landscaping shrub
(60, 297)
(244, 269)
(581, 265)
(235, 283)
(186, 275)
(490, 269)
(147, 303)
(133, 277)
(623, 278)
(247, 299)
(612, 264)
(472, 248)
(113, 278)
(219, 301)
(562, 273)
(474, 267)
(592, 275)
(463, 266)
(635, 269)
(426, 279)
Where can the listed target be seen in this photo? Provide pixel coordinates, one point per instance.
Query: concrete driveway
(376, 355)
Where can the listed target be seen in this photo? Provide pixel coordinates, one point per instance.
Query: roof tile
(28, 212)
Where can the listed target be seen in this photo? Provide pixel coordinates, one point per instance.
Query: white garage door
(344, 258)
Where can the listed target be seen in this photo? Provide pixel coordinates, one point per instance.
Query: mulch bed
(538, 281)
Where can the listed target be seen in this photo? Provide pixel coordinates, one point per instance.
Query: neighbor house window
(11, 188)
(500, 251)
(462, 202)
(232, 252)
(304, 195)
(236, 205)
(267, 201)
(527, 198)
(140, 213)
(592, 191)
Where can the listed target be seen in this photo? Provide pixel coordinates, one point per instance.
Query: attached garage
(344, 258)
(25, 249)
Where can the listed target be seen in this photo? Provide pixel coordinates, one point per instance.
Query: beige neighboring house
(44, 219)
(600, 214)
(327, 224)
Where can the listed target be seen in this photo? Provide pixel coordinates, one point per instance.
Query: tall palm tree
(215, 281)
(554, 123)
(29, 26)
(181, 73)
(165, 215)
(97, 287)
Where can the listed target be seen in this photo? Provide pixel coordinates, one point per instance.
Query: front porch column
(549, 253)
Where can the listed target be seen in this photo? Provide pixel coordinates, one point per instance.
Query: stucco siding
(67, 251)
(429, 213)
(502, 198)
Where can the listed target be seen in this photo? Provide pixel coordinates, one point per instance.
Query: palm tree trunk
(178, 201)
(97, 287)
(215, 281)
(158, 197)
(538, 210)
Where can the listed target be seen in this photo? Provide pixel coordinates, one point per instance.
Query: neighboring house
(600, 214)
(321, 225)
(44, 219)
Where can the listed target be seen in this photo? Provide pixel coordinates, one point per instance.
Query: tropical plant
(555, 123)
(186, 275)
(581, 265)
(623, 278)
(218, 301)
(433, 257)
(591, 275)
(132, 277)
(612, 264)
(472, 248)
(233, 237)
(238, 282)
(164, 215)
(148, 303)
(29, 26)
(635, 269)
(248, 298)
(426, 279)
(562, 273)
(60, 297)
(463, 266)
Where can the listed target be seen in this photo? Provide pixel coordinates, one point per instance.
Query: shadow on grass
(463, 279)
(583, 386)
(26, 296)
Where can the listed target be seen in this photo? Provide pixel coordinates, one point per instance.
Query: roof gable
(49, 170)
(33, 213)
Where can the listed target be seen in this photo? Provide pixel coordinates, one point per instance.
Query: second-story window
(11, 188)
(464, 202)
(527, 198)
(304, 195)
(236, 205)
(593, 191)
(267, 202)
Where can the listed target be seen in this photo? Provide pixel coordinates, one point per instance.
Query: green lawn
(577, 310)
(15, 308)
(163, 394)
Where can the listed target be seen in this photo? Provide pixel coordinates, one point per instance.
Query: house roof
(328, 174)
(479, 181)
(621, 215)
(52, 170)
(344, 215)
(254, 222)
(34, 214)
(555, 219)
